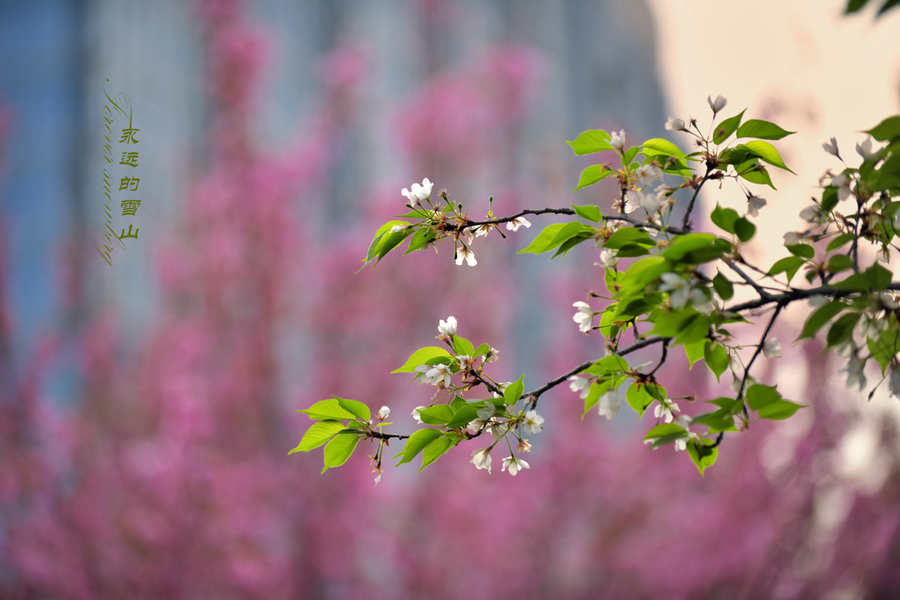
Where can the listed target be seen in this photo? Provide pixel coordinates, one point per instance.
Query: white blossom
(418, 192)
(517, 222)
(580, 385)
(523, 446)
(482, 459)
(608, 258)
(584, 317)
(487, 411)
(831, 147)
(772, 348)
(894, 382)
(651, 203)
(842, 183)
(738, 383)
(466, 254)
(871, 327)
(792, 238)
(416, 415)
(646, 174)
(514, 465)
(437, 375)
(754, 203)
(854, 370)
(447, 327)
(888, 301)
(397, 228)
(609, 404)
(664, 411)
(481, 230)
(630, 207)
(533, 422)
(865, 149)
(717, 104)
(495, 428)
(383, 413)
(680, 290)
(675, 124)
(811, 214)
(617, 140)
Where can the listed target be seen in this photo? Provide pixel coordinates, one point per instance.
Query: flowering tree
(680, 288)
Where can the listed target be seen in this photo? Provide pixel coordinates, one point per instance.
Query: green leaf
(481, 350)
(885, 348)
(854, 5)
(638, 398)
(420, 240)
(764, 130)
(439, 414)
(822, 315)
(357, 408)
(875, 277)
(543, 239)
(888, 4)
(640, 274)
(513, 391)
(464, 416)
(340, 449)
(416, 443)
(555, 235)
(888, 129)
(659, 146)
(780, 410)
(695, 351)
(629, 155)
(696, 248)
(592, 175)
(329, 408)
(830, 199)
(589, 212)
(840, 262)
(664, 430)
(703, 455)
(759, 395)
(694, 329)
(588, 142)
(628, 236)
(436, 449)
(804, 250)
(839, 241)
(841, 329)
(788, 265)
(724, 218)
(318, 433)
(724, 288)
(727, 127)
(744, 229)
(766, 152)
(420, 357)
(716, 358)
(754, 172)
(463, 347)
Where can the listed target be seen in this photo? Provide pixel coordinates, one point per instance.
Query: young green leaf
(592, 175)
(589, 212)
(340, 449)
(764, 130)
(727, 127)
(416, 443)
(420, 356)
(357, 408)
(330, 408)
(514, 391)
(716, 358)
(588, 142)
(318, 433)
(767, 152)
(723, 286)
(703, 454)
(436, 449)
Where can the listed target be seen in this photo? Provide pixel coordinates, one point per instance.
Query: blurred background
(147, 406)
